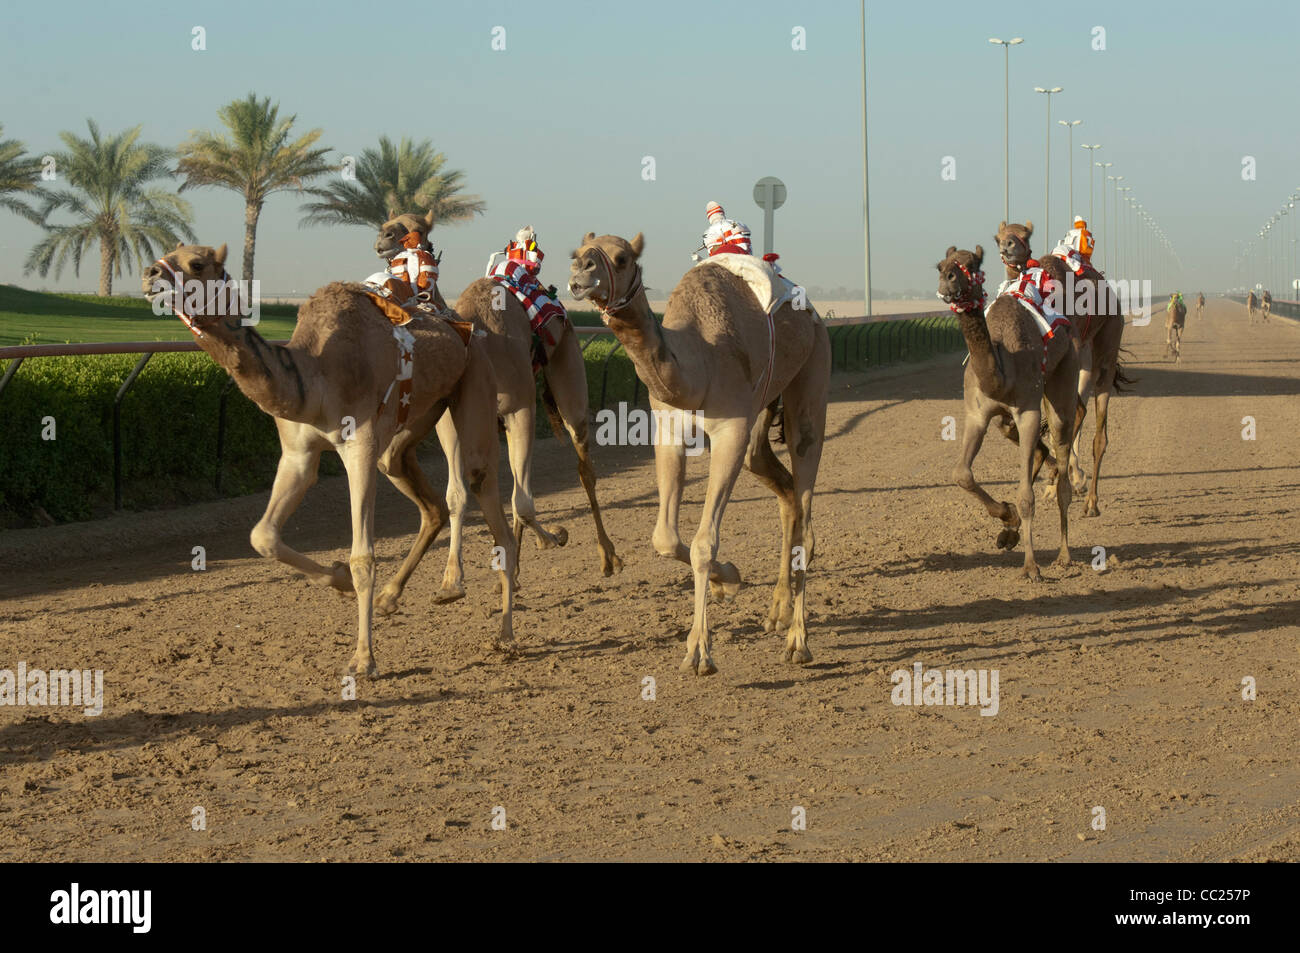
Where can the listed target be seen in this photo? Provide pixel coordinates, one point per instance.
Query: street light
(1006, 121)
(866, 193)
(1047, 185)
(1069, 126)
(1115, 195)
(1105, 251)
(1090, 165)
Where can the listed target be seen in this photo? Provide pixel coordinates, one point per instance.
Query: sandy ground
(1119, 689)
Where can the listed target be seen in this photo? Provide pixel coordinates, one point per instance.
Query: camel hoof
(688, 665)
(610, 564)
(341, 578)
(449, 594)
(725, 587)
(1031, 573)
(706, 667)
(1062, 561)
(1008, 539)
(386, 603)
(363, 666)
(798, 656)
(1091, 509)
(561, 536)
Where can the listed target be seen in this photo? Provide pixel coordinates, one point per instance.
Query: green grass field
(35, 317)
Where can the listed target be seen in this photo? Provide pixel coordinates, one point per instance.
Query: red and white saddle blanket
(1072, 258)
(546, 316)
(1033, 288)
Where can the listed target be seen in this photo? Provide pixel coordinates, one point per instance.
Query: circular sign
(769, 185)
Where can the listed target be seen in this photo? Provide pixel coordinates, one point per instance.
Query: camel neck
(270, 375)
(661, 355)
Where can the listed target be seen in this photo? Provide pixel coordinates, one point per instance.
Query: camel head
(606, 270)
(1013, 243)
(961, 283)
(391, 233)
(198, 262)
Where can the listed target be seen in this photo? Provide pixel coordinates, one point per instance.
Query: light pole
(1128, 250)
(866, 194)
(1006, 121)
(1069, 127)
(1117, 229)
(1047, 185)
(1090, 165)
(1105, 252)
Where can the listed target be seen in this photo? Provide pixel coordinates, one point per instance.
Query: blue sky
(553, 130)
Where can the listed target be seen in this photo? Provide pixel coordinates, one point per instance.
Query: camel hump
(770, 288)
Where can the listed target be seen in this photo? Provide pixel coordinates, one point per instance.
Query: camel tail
(776, 421)
(553, 411)
(1123, 383)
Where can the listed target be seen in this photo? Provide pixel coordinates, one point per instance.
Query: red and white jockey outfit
(1034, 287)
(411, 275)
(725, 236)
(546, 316)
(524, 249)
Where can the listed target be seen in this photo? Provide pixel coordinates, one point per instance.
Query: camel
(1200, 305)
(1266, 305)
(1175, 318)
(718, 358)
(1098, 338)
(329, 389)
(1005, 376)
(508, 346)
(1252, 305)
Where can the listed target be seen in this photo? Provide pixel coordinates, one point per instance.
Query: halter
(1029, 257)
(224, 284)
(607, 310)
(974, 302)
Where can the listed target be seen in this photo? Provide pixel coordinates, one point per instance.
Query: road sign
(769, 195)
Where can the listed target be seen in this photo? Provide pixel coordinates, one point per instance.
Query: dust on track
(1119, 689)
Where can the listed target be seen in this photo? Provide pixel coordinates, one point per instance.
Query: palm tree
(257, 160)
(18, 173)
(113, 202)
(395, 179)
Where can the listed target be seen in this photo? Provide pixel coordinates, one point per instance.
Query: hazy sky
(553, 131)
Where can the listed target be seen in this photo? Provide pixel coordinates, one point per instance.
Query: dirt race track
(1119, 689)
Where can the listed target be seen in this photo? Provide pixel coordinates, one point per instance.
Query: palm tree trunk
(252, 211)
(105, 267)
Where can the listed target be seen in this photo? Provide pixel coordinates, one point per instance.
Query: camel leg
(520, 433)
(805, 430)
(977, 425)
(1028, 420)
(453, 578)
(670, 476)
(1087, 375)
(360, 458)
(1098, 444)
(400, 465)
(1042, 455)
(729, 438)
(294, 476)
(1061, 411)
(764, 464)
(566, 382)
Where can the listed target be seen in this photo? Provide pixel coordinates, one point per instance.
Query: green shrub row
(169, 421)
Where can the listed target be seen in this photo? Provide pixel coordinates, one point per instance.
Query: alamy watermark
(75, 688)
(637, 427)
(923, 686)
(211, 298)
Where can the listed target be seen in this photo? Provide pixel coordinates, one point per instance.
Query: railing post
(221, 427)
(117, 426)
(10, 371)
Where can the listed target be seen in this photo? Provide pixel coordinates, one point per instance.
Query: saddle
(400, 315)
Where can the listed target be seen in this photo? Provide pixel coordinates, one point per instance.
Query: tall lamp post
(1006, 121)
(1069, 127)
(866, 195)
(1090, 165)
(1047, 185)
(1118, 227)
(1110, 239)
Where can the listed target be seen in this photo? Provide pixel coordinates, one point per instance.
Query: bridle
(609, 307)
(224, 284)
(973, 301)
(1009, 264)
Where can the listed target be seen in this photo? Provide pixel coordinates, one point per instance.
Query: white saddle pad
(770, 288)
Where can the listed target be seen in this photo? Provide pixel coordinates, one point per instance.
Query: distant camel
(1175, 318)
(1252, 305)
(1267, 308)
(1200, 305)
